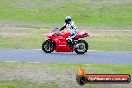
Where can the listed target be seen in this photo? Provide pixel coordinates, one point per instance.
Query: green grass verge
(62, 68)
(32, 39)
(53, 12)
(97, 68)
(122, 43)
(25, 84)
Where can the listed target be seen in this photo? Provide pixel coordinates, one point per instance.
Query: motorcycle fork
(50, 42)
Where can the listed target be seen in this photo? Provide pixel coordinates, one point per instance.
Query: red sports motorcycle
(57, 41)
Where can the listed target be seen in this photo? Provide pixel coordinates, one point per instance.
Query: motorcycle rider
(69, 24)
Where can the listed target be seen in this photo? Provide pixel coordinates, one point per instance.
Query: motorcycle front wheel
(48, 46)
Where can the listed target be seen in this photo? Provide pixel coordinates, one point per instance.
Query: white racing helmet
(68, 19)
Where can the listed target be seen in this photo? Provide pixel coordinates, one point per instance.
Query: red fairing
(61, 42)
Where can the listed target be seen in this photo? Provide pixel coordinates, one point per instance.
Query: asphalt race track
(91, 57)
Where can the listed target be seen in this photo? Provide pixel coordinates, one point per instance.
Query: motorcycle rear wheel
(84, 45)
(48, 46)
